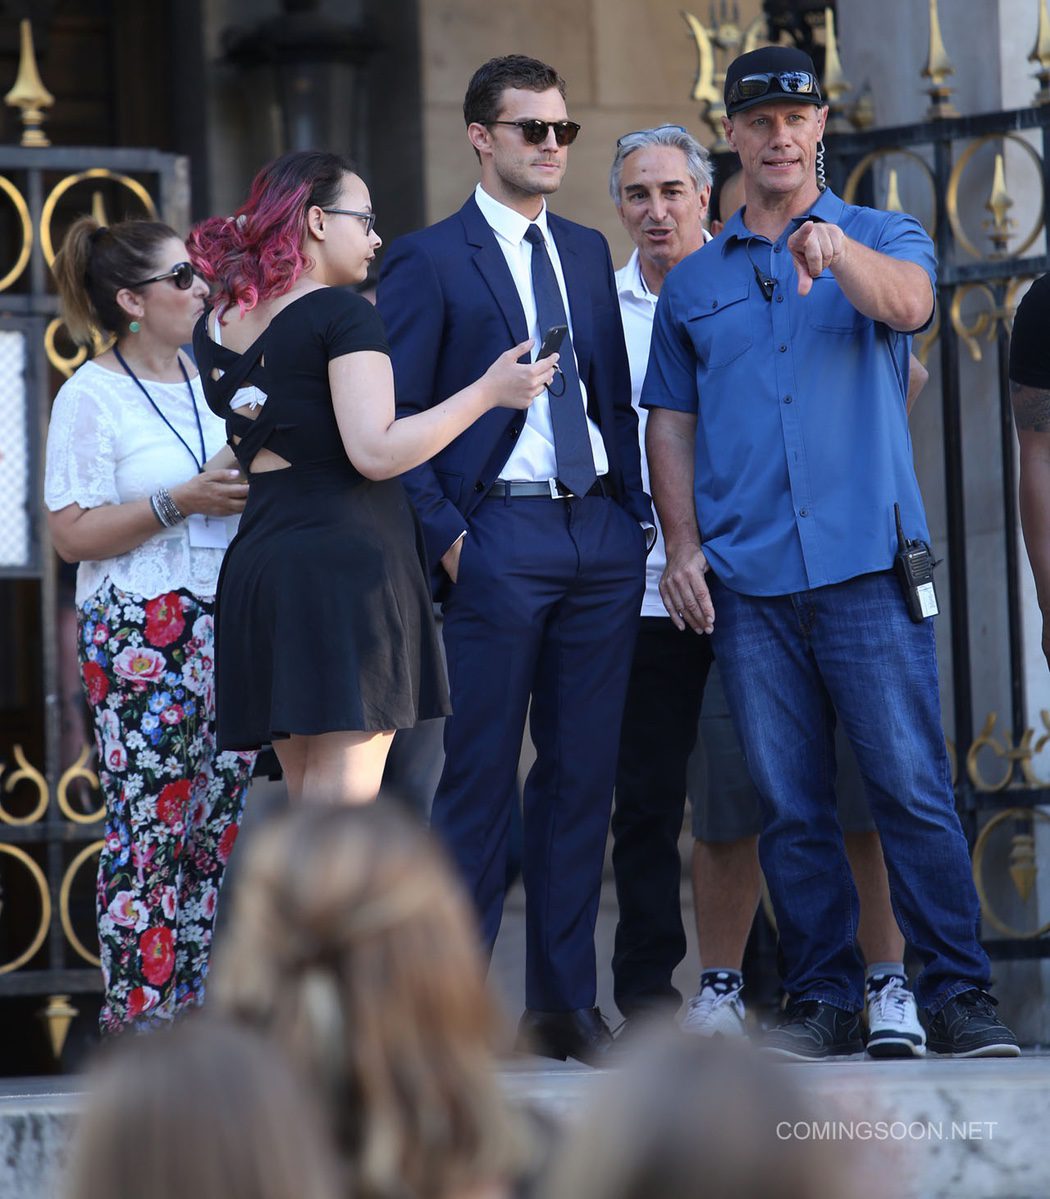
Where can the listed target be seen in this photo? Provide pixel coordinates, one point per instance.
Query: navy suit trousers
(545, 609)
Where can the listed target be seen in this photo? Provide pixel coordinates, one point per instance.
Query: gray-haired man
(660, 183)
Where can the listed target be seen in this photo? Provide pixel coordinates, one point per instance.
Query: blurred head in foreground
(352, 945)
(205, 1110)
(696, 1118)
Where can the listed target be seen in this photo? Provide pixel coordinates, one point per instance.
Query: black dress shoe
(582, 1034)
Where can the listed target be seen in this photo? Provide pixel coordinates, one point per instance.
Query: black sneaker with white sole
(810, 1030)
(967, 1026)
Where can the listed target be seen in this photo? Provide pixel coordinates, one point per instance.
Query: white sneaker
(714, 1013)
(893, 1019)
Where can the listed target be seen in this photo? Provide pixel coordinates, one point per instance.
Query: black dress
(323, 617)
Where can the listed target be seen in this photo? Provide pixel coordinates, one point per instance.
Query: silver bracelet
(165, 509)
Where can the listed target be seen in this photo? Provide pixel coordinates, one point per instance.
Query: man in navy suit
(536, 525)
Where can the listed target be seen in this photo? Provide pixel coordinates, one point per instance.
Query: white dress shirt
(638, 308)
(533, 458)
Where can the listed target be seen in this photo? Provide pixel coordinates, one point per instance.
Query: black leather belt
(548, 489)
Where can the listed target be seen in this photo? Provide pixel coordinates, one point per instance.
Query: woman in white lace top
(142, 492)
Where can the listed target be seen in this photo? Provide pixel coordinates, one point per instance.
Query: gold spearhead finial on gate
(58, 1015)
(999, 204)
(862, 110)
(727, 39)
(835, 82)
(938, 68)
(703, 88)
(29, 93)
(1041, 55)
(836, 85)
(1023, 867)
(893, 195)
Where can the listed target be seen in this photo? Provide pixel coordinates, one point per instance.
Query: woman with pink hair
(325, 637)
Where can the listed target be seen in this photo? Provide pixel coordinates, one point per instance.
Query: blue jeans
(791, 663)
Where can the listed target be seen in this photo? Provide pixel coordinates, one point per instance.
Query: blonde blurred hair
(206, 1110)
(352, 945)
(696, 1118)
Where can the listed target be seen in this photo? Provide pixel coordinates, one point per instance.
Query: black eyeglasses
(534, 131)
(369, 218)
(181, 274)
(656, 129)
(750, 87)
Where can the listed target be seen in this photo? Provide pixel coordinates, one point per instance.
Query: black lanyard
(152, 403)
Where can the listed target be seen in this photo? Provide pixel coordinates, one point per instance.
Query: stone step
(932, 1129)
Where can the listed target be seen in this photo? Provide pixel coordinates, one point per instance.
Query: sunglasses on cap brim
(775, 83)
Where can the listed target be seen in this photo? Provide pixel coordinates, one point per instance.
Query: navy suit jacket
(450, 307)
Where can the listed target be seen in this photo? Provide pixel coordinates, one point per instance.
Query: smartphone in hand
(552, 340)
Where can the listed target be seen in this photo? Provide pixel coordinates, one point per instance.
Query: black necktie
(572, 444)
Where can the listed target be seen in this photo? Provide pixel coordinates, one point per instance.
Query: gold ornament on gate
(29, 93)
(1022, 868)
(938, 68)
(1001, 226)
(1041, 55)
(25, 772)
(721, 43)
(859, 112)
(79, 770)
(64, 892)
(17, 854)
(58, 1014)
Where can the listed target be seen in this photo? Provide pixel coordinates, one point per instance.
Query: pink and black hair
(258, 252)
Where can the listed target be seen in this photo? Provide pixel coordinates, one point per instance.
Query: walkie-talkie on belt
(913, 564)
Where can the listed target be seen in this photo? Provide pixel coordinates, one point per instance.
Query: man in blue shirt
(778, 445)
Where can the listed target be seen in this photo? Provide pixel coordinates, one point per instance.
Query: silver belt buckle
(555, 493)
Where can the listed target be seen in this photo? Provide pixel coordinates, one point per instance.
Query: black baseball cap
(769, 74)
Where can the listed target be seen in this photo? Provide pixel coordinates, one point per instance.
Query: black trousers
(659, 731)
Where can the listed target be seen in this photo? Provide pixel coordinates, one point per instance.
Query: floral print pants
(173, 804)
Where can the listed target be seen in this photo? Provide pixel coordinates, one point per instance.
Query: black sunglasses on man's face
(534, 131)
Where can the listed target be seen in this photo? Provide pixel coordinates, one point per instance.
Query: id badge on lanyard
(208, 532)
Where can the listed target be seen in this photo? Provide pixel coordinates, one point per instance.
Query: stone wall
(628, 64)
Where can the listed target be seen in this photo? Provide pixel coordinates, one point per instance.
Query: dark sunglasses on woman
(181, 274)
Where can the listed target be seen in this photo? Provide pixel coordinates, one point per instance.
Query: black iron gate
(1000, 793)
(997, 787)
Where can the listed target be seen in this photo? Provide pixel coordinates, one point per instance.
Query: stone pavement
(929, 1129)
(933, 1129)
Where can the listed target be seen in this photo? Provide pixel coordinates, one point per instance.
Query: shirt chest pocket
(827, 309)
(719, 325)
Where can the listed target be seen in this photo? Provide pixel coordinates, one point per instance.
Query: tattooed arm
(1032, 416)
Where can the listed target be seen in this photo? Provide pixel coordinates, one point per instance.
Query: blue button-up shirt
(802, 443)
